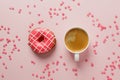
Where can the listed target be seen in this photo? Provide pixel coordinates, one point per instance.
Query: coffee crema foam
(76, 39)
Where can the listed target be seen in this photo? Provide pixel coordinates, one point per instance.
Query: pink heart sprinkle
(0, 57)
(92, 64)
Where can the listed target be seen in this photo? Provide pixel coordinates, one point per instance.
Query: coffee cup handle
(76, 57)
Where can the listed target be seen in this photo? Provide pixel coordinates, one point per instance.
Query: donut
(41, 40)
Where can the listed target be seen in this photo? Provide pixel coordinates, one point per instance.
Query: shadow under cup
(76, 41)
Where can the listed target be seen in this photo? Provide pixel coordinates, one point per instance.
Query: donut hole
(41, 38)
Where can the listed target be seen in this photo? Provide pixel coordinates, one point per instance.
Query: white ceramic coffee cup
(76, 54)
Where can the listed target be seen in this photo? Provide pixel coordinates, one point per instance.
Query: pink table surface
(100, 18)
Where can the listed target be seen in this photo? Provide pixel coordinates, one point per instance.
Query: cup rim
(81, 51)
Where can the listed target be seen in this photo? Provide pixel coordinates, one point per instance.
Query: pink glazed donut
(41, 40)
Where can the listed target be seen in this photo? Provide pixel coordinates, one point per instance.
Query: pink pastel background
(100, 18)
